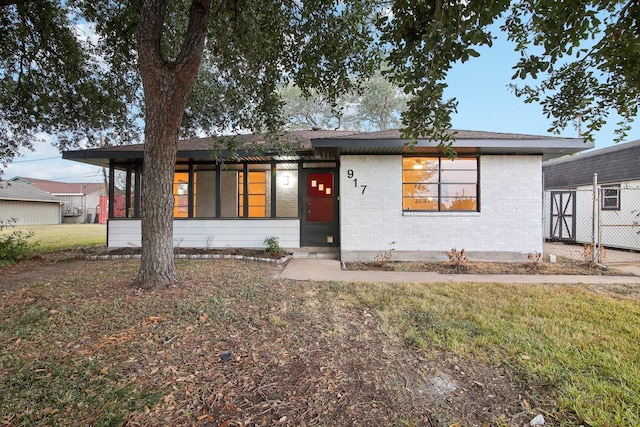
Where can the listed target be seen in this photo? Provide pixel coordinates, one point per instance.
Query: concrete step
(316, 253)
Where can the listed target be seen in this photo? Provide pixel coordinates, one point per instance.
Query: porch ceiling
(131, 154)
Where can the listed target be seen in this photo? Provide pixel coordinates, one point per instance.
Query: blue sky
(480, 85)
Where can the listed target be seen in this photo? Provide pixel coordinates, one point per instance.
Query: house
(28, 205)
(607, 214)
(364, 195)
(82, 200)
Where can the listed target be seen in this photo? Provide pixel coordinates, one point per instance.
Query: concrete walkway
(322, 270)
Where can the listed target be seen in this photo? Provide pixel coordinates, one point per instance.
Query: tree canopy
(578, 59)
(53, 81)
(186, 67)
(376, 104)
(57, 79)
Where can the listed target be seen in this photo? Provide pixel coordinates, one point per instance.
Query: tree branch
(12, 2)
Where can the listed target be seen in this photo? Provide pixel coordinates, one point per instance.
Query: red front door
(320, 197)
(320, 227)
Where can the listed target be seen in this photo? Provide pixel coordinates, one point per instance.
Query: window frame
(604, 197)
(256, 195)
(439, 183)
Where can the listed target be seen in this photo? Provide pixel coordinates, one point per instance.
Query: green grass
(575, 347)
(63, 236)
(583, 345)
(57, 386)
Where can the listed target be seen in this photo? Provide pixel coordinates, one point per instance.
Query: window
(439, 184)
(256, 195)
(610, 197)
(180, 194)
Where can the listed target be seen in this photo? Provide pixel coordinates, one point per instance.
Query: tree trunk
(157, 269)
(167, 85)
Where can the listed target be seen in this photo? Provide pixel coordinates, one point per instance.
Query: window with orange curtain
(439, 184)
(181, 194)
(256, 194)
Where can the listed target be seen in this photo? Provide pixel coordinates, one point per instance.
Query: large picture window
(439, 184)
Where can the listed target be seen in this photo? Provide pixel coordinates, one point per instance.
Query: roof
(466, 142)
(21, 191)
(61, 188)
(617, 163)
(331, 143)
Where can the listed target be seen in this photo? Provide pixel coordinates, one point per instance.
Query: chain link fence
(600, 225)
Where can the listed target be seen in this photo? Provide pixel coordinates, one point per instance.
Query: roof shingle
(618, 163)
(21, 191)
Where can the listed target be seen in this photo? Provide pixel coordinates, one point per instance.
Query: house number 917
(351, 176)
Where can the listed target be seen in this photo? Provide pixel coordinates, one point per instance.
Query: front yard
(235, 346)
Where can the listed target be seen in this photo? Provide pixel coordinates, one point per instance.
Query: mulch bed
(562, 266)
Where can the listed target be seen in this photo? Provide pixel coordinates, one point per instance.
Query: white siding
(212, 233)
(508, 226)
(30, 213)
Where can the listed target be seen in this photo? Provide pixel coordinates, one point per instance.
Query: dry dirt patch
(234, 346)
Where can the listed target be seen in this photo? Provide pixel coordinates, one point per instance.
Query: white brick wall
(508, 226)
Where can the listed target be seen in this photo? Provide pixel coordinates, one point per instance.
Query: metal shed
(28, 205)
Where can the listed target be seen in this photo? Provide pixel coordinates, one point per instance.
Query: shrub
(14, 245)
(534, 259)
(457, 259)
(273, 245)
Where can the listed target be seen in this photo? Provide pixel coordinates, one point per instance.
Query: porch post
(127, 191)
(112, 188)
(136, 192)
(245, 191)
(274, 186)
(218, 190)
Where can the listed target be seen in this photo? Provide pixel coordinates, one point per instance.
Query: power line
(91, 174)
(35, 160)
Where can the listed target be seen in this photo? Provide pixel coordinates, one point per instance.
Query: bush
(14, 245)
(273, 245)
(457, 259)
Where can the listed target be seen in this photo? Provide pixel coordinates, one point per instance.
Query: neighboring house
(28, 205)
(366, 195)
(569, 199)
(82, 200)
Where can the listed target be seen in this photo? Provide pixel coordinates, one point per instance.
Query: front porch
(229, 199)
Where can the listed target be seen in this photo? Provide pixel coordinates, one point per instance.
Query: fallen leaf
(458, 424)
(105, 370)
